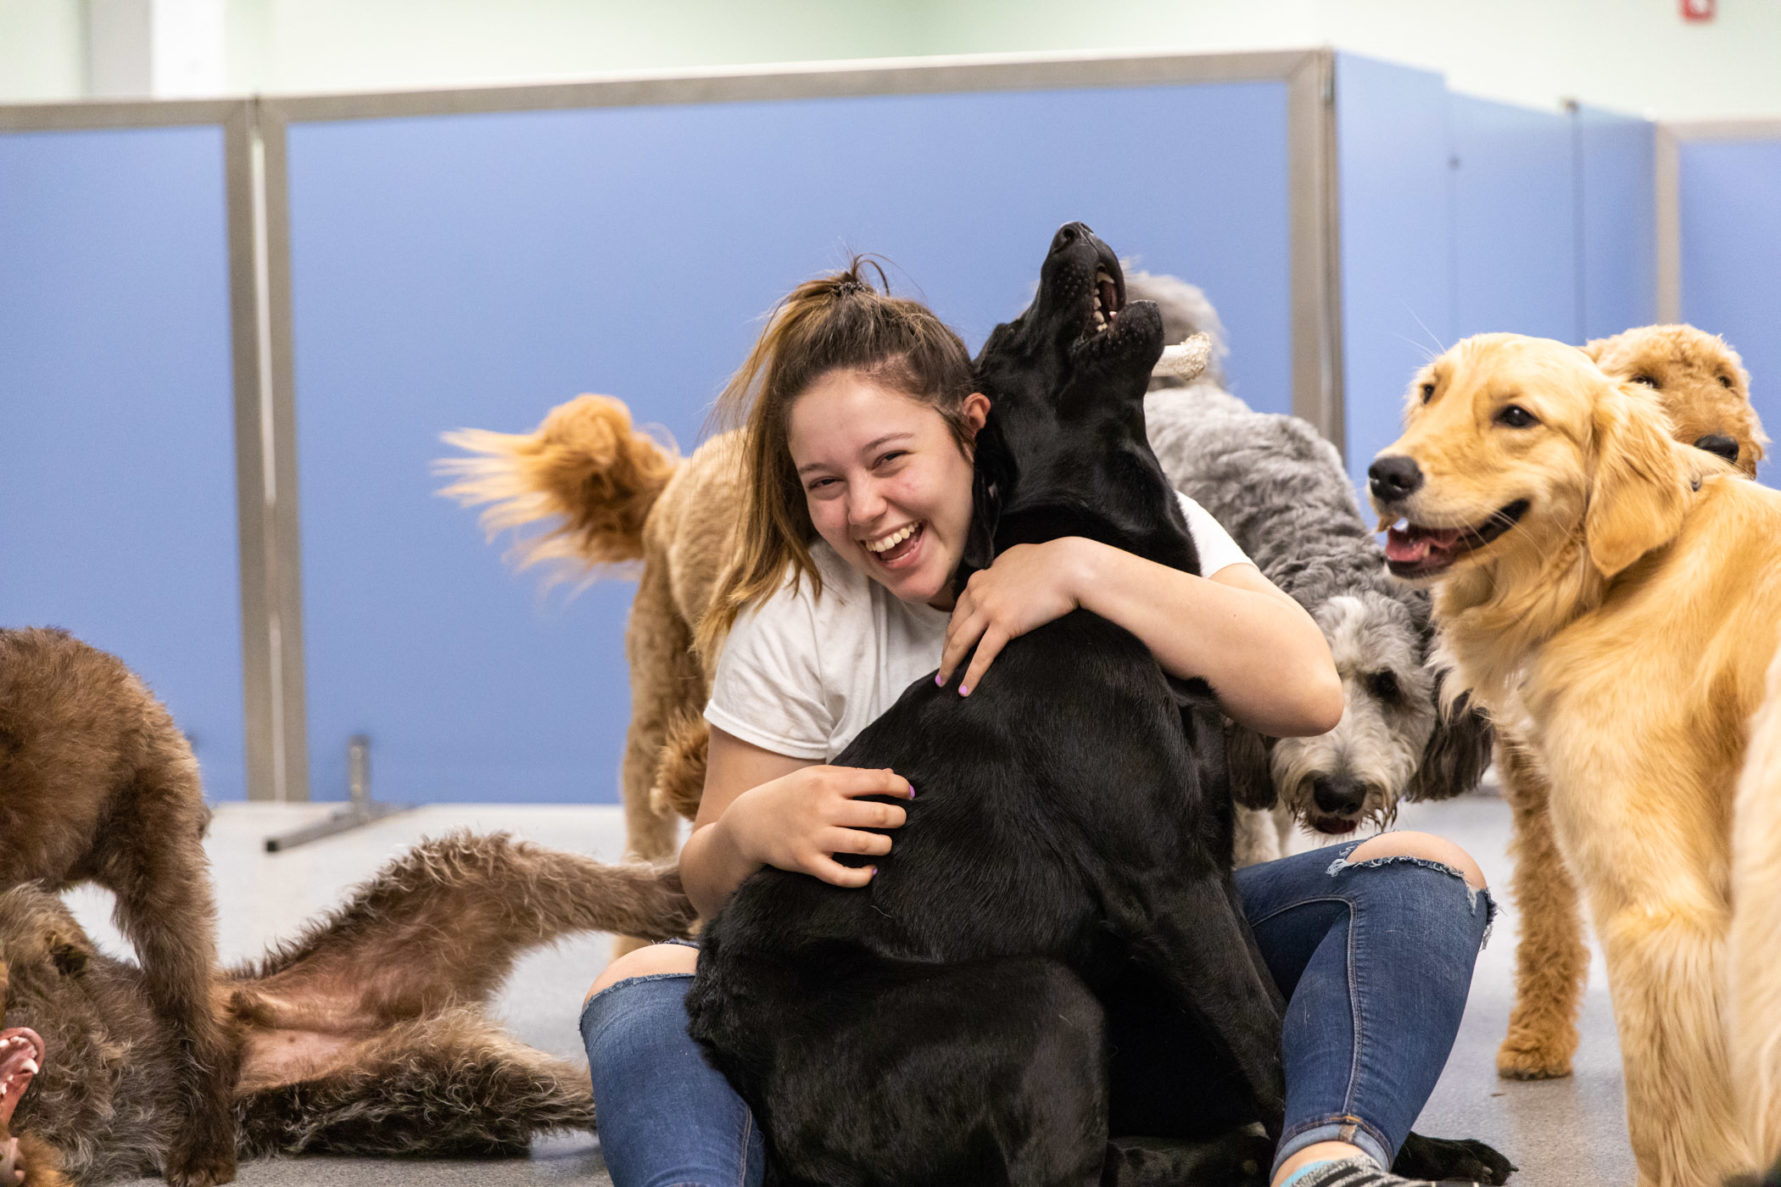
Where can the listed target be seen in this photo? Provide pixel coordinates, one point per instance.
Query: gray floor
(1562, 1132)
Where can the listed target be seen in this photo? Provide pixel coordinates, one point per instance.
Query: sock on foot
(1358, 1172)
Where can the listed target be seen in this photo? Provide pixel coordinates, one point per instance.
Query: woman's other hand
(801, 820)
(1022, 590)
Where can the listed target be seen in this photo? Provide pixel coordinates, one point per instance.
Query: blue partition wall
(117, 473)
(1731, 259)
(1463, 216)
(1395, 183)
(1515, 224)
(1615, 170)
(475, 270)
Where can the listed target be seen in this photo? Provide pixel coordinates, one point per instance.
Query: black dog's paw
(1451, 1158)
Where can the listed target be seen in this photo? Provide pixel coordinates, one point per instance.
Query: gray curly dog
(1282, 492)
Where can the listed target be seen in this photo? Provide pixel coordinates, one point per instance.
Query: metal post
(360, 808)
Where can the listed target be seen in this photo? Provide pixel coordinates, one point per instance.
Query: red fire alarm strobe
(1698, 10)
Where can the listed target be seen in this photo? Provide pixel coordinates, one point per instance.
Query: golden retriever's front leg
(1551, 959)
(1756, 929)
(1666, 970)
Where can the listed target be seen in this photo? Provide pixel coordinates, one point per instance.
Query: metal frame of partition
(265, 745)
(1670, 137)
(257, 168)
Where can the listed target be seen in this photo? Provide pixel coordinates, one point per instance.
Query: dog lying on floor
(1616, 595)
(100, 785)
(1702, 386)
(365, 1035)
(1282, 492)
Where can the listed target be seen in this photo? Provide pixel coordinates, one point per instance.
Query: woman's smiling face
(885, 480)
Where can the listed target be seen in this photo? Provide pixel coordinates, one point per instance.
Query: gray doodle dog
(1282, 492)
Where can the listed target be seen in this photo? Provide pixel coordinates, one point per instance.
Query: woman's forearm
(712, 866)
(1262, 654)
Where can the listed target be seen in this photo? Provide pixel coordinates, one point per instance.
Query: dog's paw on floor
(1440, 1159)
(1527, 1056)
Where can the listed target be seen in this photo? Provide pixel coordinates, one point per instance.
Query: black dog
(1052, 951)
(1072, 841)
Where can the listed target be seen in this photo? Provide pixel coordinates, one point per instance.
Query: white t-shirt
(800, 675)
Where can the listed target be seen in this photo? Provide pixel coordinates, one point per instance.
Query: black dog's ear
(992, 473)
(1246, 756)
(1457, 752)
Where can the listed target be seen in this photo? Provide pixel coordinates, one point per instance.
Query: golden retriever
(1616, 596)
(1702, 385)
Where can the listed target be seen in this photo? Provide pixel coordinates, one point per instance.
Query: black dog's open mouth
(1109, 299)
(1416, 551)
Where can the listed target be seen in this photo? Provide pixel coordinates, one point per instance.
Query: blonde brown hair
(835, 322)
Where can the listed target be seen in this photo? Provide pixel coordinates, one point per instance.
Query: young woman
(860, 421)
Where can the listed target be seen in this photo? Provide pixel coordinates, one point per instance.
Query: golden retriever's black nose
(1338, 795)
(1393, 478)
(1720, 444)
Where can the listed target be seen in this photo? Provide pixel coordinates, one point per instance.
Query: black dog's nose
(1338, 795)
(1068, 234)
(1720, 444)
(1393, 478)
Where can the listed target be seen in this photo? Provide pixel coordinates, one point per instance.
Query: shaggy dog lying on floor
(1282, 492)
(99, 785)
(365, 1035)
(1616, 595)
(1702, 386)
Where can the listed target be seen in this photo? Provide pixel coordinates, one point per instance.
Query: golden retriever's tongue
(1411, 545)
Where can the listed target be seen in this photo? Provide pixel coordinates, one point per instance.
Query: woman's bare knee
(1424, 846)
(646, 962)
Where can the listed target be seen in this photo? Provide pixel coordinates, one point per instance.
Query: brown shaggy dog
(1617, 595)
(1700, 381)
(98, 784)
(366, 1035)
(1702, 386)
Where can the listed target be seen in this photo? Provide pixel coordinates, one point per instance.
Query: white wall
(1632, 55)
(42, 50)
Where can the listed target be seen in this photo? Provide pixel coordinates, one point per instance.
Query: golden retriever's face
(1699, 380)
(1514, 447)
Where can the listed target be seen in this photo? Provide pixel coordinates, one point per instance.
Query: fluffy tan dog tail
(585, 468)
(1756, 928)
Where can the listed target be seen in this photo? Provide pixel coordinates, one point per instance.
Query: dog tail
(585, 467)
(1756, 927)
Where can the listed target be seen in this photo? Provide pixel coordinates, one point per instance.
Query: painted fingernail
(874, 870)
(912, 791)
(940, 680)
(964, 690)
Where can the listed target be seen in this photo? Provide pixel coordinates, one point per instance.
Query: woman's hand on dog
(801, 820)
(1023, 589)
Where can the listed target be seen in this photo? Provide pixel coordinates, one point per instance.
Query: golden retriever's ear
(1640, 491)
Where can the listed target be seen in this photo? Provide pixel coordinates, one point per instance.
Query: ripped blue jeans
(1375, 960)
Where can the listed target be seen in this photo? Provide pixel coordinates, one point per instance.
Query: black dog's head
(1066, 382)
